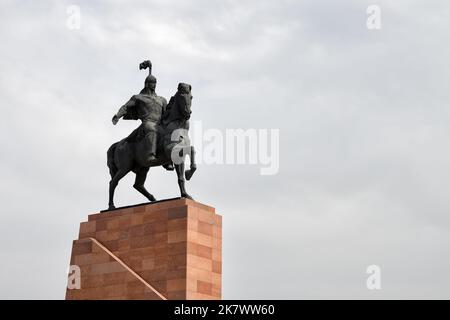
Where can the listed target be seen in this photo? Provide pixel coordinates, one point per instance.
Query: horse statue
(161, 140)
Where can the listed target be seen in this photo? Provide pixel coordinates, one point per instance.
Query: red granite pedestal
(169, 249)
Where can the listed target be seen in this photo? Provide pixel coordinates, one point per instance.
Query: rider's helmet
(150, 80)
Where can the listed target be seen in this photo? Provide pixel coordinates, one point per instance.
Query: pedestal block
(169, 249)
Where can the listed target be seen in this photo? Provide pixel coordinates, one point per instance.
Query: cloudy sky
(364, 137)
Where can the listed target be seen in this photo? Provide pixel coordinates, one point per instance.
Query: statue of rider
(148, 107)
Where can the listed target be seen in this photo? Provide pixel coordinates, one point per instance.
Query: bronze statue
(161, 139)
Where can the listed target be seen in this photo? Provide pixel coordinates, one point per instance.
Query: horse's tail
(110, 159)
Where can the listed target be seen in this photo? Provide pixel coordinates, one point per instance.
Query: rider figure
(148, 107)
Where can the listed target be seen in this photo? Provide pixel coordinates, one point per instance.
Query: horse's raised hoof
(151, 198)
(185, 195)
(188, 173)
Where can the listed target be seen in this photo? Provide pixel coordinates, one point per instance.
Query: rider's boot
(169, 167)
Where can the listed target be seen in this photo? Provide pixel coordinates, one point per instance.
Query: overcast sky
(364, 137)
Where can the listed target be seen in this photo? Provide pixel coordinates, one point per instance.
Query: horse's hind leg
(193, 167)
(141, 175)
(179, 168)
(113, 184)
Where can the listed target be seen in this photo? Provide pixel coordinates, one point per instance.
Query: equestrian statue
(161, 139)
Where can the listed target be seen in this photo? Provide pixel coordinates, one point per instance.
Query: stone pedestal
(169, 249)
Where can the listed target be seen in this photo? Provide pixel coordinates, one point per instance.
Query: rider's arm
(125, 108)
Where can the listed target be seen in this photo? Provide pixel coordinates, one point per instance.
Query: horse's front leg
(113, 184)
(179, 168)
(191, 171)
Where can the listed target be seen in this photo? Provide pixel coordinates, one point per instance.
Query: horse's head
(184, 87)
(184, 90)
